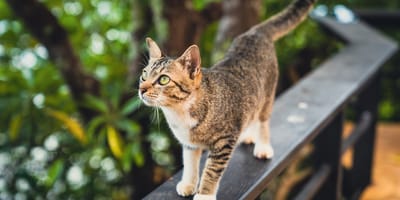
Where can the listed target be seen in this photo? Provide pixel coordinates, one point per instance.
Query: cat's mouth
(149, 101)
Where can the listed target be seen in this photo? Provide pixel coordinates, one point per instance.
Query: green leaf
(127, 159)
(73, 125)
(54, 172)
(15, 127)
(115, 142)
(94, 125)
(137, 154)
(130, 106)
(95, 103)
(199, 5)
(115, 94)
(386, 109)
(131, 127)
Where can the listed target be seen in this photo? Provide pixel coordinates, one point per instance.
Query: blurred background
(71, 124)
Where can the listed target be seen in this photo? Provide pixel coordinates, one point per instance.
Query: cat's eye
(144, 75)
(163, 80)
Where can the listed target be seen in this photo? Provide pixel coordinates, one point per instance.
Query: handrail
(304, 112)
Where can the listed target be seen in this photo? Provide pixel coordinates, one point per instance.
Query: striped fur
(216, 108)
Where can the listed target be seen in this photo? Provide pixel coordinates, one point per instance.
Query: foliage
(48, 151)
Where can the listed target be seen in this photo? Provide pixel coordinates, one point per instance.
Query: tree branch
(45, 27)
(185, 25)
(239, 16)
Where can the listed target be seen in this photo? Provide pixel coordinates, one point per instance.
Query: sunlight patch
(39, 154)
(51, 143)
(38, 100)
(75, 176)
(343, 14)
(73, 8)
(104, 8)
(41, 51)
(96, 44)
(26, 60)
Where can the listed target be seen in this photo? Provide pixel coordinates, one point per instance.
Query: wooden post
(327, 152)
(364, 147)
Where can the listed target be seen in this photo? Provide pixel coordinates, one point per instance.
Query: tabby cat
(216, 108)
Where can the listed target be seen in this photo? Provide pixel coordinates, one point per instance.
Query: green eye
(164, 80)
(144, 75)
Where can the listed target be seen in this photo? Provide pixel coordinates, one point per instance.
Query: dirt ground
(386, 172)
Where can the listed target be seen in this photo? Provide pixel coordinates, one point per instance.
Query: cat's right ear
(154, 50)
(191, 61)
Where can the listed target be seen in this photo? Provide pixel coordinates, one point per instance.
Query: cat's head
(169, 82)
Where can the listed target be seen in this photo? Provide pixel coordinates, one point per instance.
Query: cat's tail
(286, 20)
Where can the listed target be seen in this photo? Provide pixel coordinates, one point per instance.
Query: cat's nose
(143, 90)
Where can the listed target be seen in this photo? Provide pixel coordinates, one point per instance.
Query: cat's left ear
(154, 50)
(191, 60)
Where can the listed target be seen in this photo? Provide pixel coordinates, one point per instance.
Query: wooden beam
(360, 129)
(314, 184)
(379, 17)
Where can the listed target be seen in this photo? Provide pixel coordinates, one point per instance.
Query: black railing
(312, 111)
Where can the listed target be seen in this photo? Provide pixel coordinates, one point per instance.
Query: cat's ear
(191, 60)
(154, 50)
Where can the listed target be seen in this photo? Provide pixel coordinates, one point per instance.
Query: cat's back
(251, 53)
(236, 88)
(250, 61)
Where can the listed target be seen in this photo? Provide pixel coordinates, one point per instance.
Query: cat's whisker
(153, 115)
(156, 114)
(158, 117)
(141, 103)
(142, 64)
(144, 60)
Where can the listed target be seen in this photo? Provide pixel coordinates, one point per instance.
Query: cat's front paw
(248, 140)
(263, 151)
(185, 189)
(204, 197)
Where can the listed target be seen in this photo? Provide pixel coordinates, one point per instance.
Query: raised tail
(286, 20)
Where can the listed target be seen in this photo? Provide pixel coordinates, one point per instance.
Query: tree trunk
(186, 25)
(45, 27)
(238, 17)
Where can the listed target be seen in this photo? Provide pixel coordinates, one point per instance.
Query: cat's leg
(262, 146)
(191, 160)
(249, 135)
(216, 163)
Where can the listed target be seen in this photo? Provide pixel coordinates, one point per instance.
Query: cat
(215, 109)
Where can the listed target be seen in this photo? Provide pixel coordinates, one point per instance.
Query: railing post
(327, 153)
(361, 171)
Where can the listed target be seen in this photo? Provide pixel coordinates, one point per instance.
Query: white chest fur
(180, 122)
